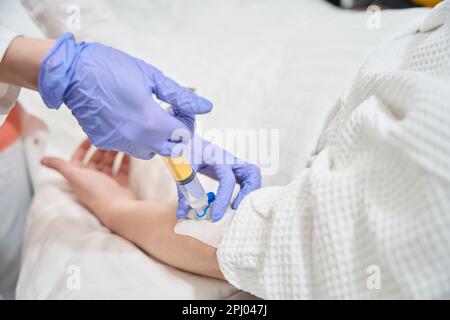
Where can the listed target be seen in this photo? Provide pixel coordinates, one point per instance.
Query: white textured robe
(370, 216)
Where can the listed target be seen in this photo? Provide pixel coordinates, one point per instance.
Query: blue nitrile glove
(209, 159)
(110, 95)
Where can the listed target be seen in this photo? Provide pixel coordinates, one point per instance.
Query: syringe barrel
(187, 182)
(194, 193)
(180, 168)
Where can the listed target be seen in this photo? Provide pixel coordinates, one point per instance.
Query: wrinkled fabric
(369, 218)
(111, 95)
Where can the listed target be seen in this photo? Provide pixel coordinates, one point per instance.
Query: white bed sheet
(264, 64)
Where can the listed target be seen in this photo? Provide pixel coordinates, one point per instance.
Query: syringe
(188, 182)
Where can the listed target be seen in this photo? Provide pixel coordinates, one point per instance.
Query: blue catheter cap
(211, 197)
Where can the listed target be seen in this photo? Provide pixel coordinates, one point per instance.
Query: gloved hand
(110, 95)
(209, 159)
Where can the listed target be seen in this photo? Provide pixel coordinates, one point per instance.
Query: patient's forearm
(21, 63)
(150, 226)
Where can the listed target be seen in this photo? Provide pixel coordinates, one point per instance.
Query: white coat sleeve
(8, 93)
(88, 20)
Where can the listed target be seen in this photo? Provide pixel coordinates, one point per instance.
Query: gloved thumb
(183, 206)
(249, 180)
(240, 196)
(227, 182)
(60, 165)
(179, 97)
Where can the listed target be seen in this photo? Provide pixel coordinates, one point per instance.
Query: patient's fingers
(108, 161)
(80, 153)
(60, 165)
(96, 161)
(124, 170)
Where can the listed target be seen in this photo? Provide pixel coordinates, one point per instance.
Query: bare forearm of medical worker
(21, 62)
(87, 78)
(150, 225)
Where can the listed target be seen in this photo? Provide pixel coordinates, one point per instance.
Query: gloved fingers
(178, 96)
(79, 154)
(183, 206)
(245, 190)
(188, 119)
(169, 149)
(143, 141)
(137, 150)
(227, 182)
(174, 126)
(249, 178)
(240, 196)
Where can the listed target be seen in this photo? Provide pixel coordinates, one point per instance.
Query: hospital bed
(265, 65)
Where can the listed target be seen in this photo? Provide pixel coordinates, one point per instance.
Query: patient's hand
(93, 181)
(148, 224)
